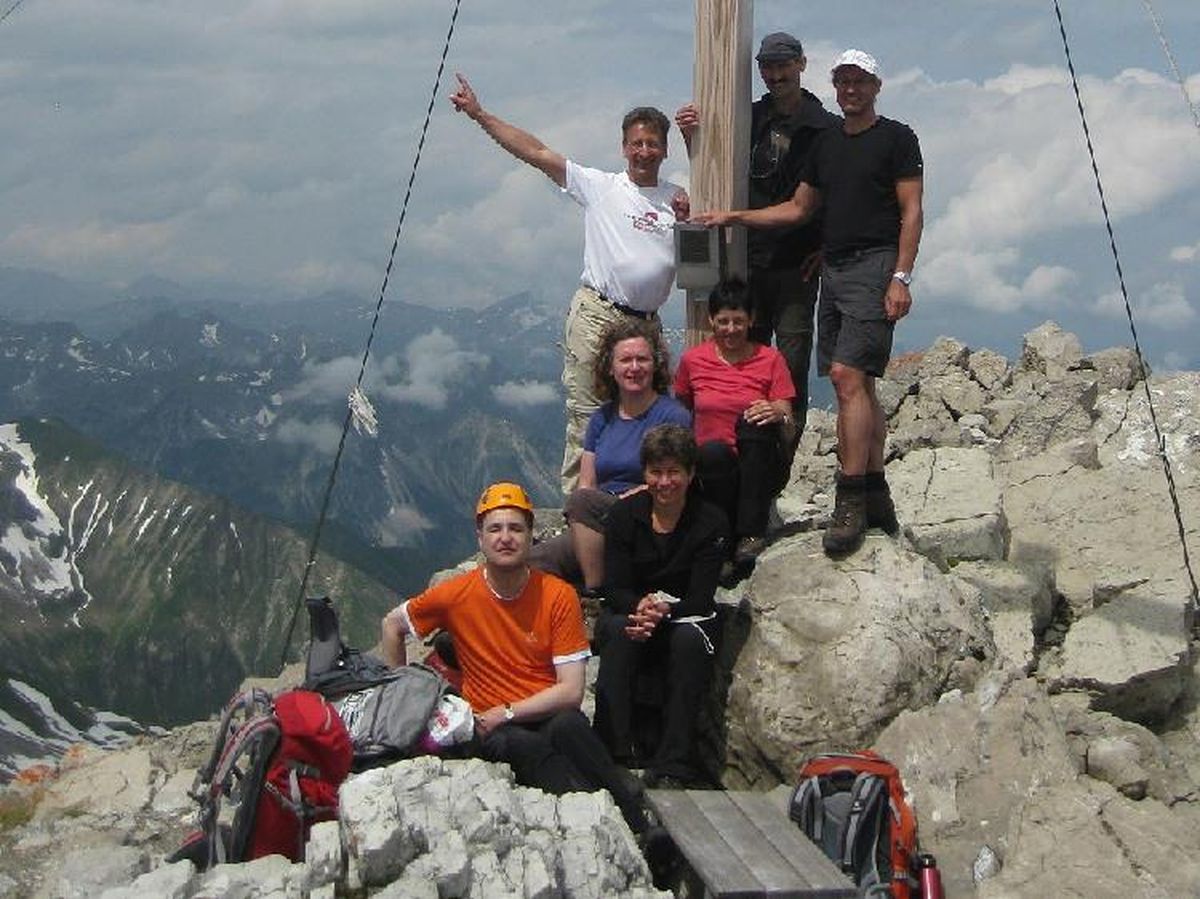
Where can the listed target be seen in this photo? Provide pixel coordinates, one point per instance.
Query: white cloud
(401, 526)
(268, 142)
(1009, 158)
(1186, 253)
(424, 374)
(1164, 306)
(433, 366)
(324, 381)
(90, 242)
(317, 275)
(523, 394)
(1021, 78)
(982, 279)
(321, 434)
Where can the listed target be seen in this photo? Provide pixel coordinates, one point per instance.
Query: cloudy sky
(266, 143)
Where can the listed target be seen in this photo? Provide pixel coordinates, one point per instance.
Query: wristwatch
(509, 714)
(904, 278)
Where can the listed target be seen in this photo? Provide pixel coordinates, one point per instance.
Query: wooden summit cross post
(720, 151)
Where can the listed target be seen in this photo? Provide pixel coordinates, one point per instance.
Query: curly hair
(627, 329)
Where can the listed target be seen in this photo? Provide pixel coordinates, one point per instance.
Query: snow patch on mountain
(39, 553)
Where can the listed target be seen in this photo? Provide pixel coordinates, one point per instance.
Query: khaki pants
(587, 320)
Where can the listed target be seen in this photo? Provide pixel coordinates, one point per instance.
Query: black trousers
(678, 655)
(784, 305)
(743, 483)
(562, 754)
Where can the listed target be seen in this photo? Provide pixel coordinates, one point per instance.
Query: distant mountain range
(172, 451)
(131, 593)
(246, 399)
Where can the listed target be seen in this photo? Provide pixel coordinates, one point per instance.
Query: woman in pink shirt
(740, 394)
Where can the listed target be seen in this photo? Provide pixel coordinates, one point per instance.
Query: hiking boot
(849, 522)
(662, 858)
(881, 512)
(748, 550)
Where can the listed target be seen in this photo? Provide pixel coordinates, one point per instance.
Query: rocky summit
(1024, 652)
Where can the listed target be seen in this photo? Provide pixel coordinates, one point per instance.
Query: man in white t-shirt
(628, 247)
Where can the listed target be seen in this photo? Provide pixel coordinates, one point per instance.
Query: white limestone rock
(1117, 368)
(1050, 350)
(324, 858)
(1019, 603)
(1131, 655)
(943, 355)
(948, 503)
(989, 369)
(1085, 839)
(836, 649)
(271, 877)
(89, 872)
(177, 881)
(970, 762)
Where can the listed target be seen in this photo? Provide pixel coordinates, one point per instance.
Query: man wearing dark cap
(783, 262)
(868, 178)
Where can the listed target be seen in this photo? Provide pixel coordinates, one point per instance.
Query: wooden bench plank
(741, 844)
(824, 876)
(725, 875)
(773, 869)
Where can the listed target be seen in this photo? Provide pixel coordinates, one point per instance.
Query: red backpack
(274, 771)
(853, 806)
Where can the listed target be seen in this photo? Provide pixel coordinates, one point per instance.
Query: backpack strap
(325, 646)
(864, 828)
(256, 743)
(807, 808)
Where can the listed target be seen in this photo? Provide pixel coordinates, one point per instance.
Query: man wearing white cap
(866, 177)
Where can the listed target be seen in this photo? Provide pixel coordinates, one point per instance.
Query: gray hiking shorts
(852, 327)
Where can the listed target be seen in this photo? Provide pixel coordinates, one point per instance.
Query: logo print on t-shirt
(648, 222)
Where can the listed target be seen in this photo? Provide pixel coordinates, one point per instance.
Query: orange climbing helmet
(503, 495)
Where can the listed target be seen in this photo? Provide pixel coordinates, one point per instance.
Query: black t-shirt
(856, 175)
(779, 149)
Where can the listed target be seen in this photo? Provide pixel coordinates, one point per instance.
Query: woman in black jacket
(664, 548)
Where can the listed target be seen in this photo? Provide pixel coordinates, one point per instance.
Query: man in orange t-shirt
(520, 642)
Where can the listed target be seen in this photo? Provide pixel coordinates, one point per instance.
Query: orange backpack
(853, 806)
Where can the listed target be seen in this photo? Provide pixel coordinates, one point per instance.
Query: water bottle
(931, 877)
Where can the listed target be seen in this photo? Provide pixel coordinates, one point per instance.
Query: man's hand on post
(681, 205)
(687, 120)
(715, 219)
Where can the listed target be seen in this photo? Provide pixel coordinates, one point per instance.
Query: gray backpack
(385, 710)
(853, 806)
(386, 721)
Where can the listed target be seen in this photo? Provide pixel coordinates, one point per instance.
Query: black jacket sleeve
(705, 553)
(621, 593)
